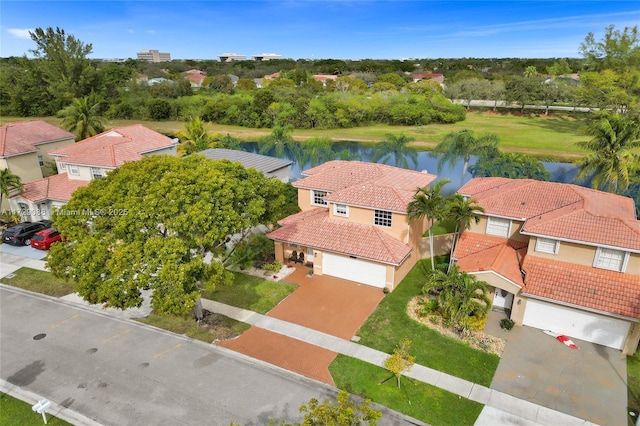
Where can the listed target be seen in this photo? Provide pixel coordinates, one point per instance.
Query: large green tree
(154, 224)
(428, 202)
(612, 158)
(82, 118)
(61, 60)
(464, 144)
(397, 147)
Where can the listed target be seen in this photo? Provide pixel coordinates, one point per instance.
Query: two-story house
(24, 146)
(85, 160)
(353, 224)
(558, 257)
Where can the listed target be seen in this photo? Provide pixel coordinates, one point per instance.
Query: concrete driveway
(23, 251)
(589, 383)
(331, 305)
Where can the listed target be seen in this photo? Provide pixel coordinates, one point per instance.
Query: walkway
(526, 410)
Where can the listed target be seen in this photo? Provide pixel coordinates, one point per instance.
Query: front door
(502, 299)
(310, 255)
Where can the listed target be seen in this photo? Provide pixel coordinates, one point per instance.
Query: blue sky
(337, 29)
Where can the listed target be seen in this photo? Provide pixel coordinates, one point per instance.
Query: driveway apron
(331, 305)
(589, 383)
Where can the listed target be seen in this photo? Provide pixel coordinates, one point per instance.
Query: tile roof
(22, 137)
(249, 160)
(560, 210)
(313, 228)
(478, 253)
(57, 187)
(365, 184)
(114, 147)
(599, 289)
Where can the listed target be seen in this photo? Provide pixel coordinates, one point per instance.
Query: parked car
(43, 239)
(21, 234)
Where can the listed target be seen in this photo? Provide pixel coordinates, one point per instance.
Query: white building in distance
(153, 56)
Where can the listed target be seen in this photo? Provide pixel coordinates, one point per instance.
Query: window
(96, 173)
(498, 226)
(317, 198)
(73, 169)
(614, 260)
(63, 166)
(382, 218)
(341, 210)
(547, 245)
(40, 161)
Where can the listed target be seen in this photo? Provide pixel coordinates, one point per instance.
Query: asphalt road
(119, 372)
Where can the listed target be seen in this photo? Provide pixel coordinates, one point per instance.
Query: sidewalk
(9, 263)
(525, 412)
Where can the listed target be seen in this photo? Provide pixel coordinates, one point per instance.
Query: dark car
(43, 239)
(21, 234)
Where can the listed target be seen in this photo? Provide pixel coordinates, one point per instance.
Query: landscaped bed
(39, 282)
(416, 399)
(390, 322)
(211, 327)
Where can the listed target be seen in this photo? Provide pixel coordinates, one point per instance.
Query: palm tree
(428, 202)
(397, 147)
(315, 151)
(463, 145)
(459, 294)
(462, 211)
(611, 160)
(82, 118)
(194, 137)
(280, 143)
(8, 181)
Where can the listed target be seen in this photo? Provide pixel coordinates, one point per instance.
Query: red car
(43, 239)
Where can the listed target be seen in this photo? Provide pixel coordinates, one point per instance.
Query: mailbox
(41, 407)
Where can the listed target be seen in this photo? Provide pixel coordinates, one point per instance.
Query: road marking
(158, 355)
(115, 336)
(64, 322)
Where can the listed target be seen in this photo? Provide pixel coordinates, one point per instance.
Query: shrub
(507, 324)
(273, 266)
(427, 307)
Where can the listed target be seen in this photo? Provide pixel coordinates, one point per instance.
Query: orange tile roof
(114, 147)
(560, 210)
(365, 184)
(23, 136)
(599, 289)
(479, 253)
(57, 187)
(313, 228)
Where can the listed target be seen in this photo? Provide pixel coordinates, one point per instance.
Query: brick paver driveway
(331, 305)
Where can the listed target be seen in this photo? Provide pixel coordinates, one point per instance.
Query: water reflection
(560, 172)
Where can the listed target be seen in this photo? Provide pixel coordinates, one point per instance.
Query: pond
(560, 172)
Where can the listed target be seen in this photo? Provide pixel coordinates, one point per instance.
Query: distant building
(266, 57)
(270, 166)
(153, 56)
(230, 57)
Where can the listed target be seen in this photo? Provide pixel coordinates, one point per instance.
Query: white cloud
(20, 33)
(150, 31)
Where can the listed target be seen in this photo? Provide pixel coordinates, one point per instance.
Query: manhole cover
(39, 336)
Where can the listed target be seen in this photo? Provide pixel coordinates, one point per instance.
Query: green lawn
(416, 399)
(211, 328)
(14, 412)
(390, 322)
(633, 381)
(250, 292)
(552, 137)
(40, 282)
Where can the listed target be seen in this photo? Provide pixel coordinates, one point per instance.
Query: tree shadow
(27, 375)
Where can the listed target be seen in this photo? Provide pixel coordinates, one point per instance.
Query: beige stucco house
(558, 257)
(353, 224)
(84, 161)
(24, 147)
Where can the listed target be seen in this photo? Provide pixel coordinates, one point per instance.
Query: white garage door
(356, 270)
(582, 325)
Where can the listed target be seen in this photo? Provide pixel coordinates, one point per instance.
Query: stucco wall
(481, 228)
(26, 166)
(43, 150)
(282, 174)
(441, 245)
